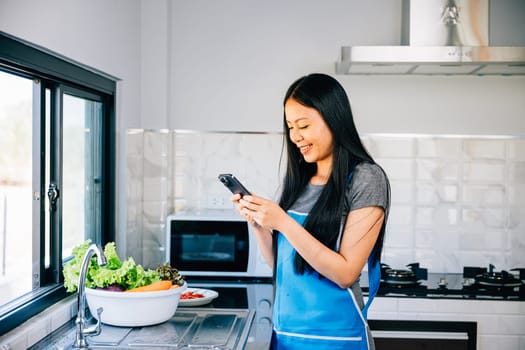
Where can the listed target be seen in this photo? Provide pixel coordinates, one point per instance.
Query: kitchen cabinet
(500, 323)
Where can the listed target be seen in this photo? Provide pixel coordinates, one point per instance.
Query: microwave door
(209, 246)
(214, 248)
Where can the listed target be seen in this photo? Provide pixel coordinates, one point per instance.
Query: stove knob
(265, 321)
(442, 282)
(265, 304)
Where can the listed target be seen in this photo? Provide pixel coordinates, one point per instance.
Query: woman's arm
(360, 233)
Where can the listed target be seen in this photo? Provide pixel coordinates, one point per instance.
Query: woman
(330, 221)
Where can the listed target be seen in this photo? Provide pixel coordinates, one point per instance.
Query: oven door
(423, 335)
(202, 246)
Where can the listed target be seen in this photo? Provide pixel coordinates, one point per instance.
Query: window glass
(80, 171)
(15, 186)
(47, 176)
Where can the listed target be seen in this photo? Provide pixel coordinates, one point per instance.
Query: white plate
(209, 295)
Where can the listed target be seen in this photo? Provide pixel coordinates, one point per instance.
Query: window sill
(37, 327)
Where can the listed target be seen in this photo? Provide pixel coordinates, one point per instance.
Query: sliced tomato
(191, 295)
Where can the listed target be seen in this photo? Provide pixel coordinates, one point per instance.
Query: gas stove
(474, 283)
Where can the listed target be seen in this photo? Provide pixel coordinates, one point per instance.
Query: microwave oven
(213, 245)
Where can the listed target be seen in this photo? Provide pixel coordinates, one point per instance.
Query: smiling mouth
(305, 149)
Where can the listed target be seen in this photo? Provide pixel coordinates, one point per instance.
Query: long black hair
(328, 97)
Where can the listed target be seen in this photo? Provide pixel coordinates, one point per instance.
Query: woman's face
(309, 132)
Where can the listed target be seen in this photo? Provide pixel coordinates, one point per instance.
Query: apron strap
(374, 280)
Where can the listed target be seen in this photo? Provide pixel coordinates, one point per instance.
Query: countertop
(248, 301)
(228, 332)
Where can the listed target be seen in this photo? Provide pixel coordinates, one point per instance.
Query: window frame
(60, 75)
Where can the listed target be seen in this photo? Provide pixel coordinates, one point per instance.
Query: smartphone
(233, 184)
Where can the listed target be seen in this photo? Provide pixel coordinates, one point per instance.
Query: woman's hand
(261, 211)
(236, 199)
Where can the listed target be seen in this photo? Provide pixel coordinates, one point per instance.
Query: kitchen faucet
(81, 322)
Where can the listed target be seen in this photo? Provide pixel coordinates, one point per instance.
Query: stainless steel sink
(189, 328)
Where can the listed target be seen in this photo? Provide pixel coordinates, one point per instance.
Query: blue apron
(314, 313)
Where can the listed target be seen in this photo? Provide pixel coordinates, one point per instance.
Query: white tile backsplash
(517, 172)
(456, 200)
(436, 147)
(484, 172)
(392, 147)
(447, 192)
(135, 142)
(516, 150)
(485, 149)
(402, 192)
(489, 195)
(157, 145)
(401, 215)
(424, 239)
(516, 194)
(155, 188)
(424, 217)
(436, 170)
(397, 169)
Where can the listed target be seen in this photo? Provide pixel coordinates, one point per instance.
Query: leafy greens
(124, 274)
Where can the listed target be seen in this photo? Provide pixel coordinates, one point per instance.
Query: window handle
(53, 193)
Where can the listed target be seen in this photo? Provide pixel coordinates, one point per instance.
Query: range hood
(439, 37)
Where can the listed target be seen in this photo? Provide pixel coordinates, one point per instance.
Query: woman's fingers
(246, 204)
(235, 197)
(251, 202)
(259, 211)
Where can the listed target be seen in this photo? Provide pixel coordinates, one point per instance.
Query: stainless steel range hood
(439, 37)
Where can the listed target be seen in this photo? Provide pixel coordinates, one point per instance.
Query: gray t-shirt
(368, 187)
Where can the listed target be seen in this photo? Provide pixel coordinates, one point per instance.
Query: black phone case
(233, 184)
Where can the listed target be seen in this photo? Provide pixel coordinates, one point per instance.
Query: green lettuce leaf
(126, 274)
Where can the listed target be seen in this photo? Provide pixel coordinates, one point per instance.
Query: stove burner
(492, 279)
(485, 281)
(402, 278)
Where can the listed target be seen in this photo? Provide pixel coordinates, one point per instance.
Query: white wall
(224, 65)
(232, 60)
(154, 65)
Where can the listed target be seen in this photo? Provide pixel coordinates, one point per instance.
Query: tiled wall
(456, 200)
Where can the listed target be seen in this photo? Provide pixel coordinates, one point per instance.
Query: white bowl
(135, 309)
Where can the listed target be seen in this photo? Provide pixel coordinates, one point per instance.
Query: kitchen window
(57, 172)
